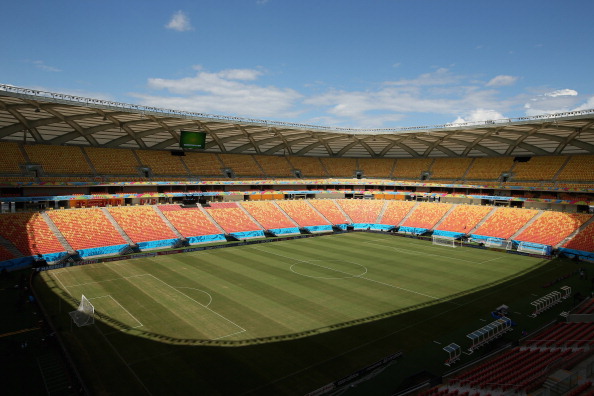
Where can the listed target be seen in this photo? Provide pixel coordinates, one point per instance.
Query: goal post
(442, 240)
(84, 314)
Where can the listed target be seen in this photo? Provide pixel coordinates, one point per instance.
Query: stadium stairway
(528, 224)
(410, 212)
(166, 221)
(212, 220)
(117, 226)
(381, 213)
(285, 214)
(52, 226)
(573, 234)
(480, 223)
(318, 212)
(248, 214)
(444, 216)
(343, 212)
(6, 244)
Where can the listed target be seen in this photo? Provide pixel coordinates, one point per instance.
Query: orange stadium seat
(275, 166)
(204, 164)
(232, 218)
(268, 215)
(109, 161)
(302, 213)
(86, 228)
(309, 166)
(362, 210)
(426, 215)
(189, 222)
(340, 167)
(489, 168)
(396, 211)
(328, 209)
(450, 168)
(59, 159)
(5, 254)
(583, 241)
(505, 222)
(29, 233)
(411, 168)
(162, 162)
(579, 168)
(377, 167)
(241, 164)
(11, 158)
(141, 223)
(538, 168)
(552, 227)
(464, 218)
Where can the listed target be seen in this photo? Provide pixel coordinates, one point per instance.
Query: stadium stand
(489, 168)
(86, 228)
(5, 254)
(309, 166)
(580, 168)
(552, 227)
(396, 211)
(464, 218)
(141, 223)
(274, 166)
(241, 165)
(328, 208)
(189, 221)
(203, 164)
(411, 168)
(340, 167)
(505, 222)
(11, 158)
(376, 167)
(566, 334)
(302, 213)
(268, 215)
(362, 210)
(161, 162)
(583, 241)
(538, 168)
(231, 218)
(426, 215)
(108, 161)
(74, 159)
(29, 233)
(449, 168)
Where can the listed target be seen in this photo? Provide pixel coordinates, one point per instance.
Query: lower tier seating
(362, 210)
(426, 215)
(268, 215)
(302, 213)
(505, 222)
(141, 223)
(189, 222)
(29, 233)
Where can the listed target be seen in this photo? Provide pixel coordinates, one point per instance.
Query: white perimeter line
(55, 275)
(106, 280)
(204, 306)
(121, 306)
(486, 261)
(342, 272)
(419, 253)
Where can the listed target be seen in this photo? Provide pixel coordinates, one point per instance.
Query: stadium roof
(33, 116)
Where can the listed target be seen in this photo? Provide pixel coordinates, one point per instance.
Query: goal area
(442, 240)
(84, 314)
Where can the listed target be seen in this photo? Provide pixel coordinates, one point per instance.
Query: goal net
(84, 314)
(533, 248)
(444, 241)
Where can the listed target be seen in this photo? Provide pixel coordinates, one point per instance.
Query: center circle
(324, 269)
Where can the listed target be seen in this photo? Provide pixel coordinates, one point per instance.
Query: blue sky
(357, 63)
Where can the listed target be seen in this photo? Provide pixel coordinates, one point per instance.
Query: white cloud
(479, 115)
(502, 80)
(180, 22)
(41, 65)
(552, 102)
(588, 105)
(561, 92)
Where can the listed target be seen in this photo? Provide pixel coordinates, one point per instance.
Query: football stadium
(160, 251)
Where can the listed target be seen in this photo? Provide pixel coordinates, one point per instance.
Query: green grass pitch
(284, 317)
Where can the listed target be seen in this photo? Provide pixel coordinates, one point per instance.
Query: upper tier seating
(449, 168)
(201, 164)
(11, 158)
(189, 222)
(489, 168)
(505, 222)
(86, 228)
(579, 168)
(362, 210)
(328, 209)
(109, 161)
(426, 215)
(141, 223)
(268, 215)
(411, 168)
(464, 218)
(309, 166)
(161, 162)
(275, 166)
(552, 227)
(376, 167)
(340, 167)
(241, 165)
(29, 233)
(302, 213)
(59, 159)
(538, 168)
(583, 241)
(396, 211)
(232, 219)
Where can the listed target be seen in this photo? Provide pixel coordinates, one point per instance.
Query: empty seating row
(426, 215)
(302, 213)
(360, 210)
(141, 223)
(268, 215)
(189, 222)
(329, 209)
(553, 227)
(464, 218)
(29, 233)
(564, 334)
(505, 222)
(396, 211)
(232, 219)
